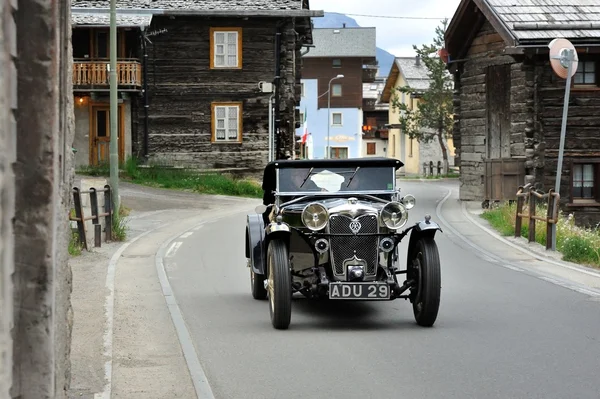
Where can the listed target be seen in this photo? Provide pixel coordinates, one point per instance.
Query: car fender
(424, 228)
(255, 236)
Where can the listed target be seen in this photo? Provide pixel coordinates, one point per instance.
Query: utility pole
(114, 111)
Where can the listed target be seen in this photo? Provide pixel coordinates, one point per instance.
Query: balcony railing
(96, 74)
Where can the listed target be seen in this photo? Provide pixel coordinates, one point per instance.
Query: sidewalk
(463, 224)
(124, 342)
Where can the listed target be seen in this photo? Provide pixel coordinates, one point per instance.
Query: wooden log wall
(582, 138)
(181, 88)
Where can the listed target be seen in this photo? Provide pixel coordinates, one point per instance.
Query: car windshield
(298, 180)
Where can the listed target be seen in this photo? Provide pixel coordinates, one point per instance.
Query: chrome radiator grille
(345, 247)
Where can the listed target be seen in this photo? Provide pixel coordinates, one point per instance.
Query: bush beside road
(576, 244)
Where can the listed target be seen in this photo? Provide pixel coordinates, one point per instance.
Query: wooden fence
(527, 195)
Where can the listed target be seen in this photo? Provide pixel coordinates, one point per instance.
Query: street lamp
(328, 155)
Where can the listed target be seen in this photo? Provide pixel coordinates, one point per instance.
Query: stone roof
(343, 42)
(414, 74)
(548, 19)
(372, 91)
(199, 5)
(123, 21)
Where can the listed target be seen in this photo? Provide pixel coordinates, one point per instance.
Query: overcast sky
(394, 35)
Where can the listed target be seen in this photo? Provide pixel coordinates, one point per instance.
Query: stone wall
(8, 78)
(44, 173)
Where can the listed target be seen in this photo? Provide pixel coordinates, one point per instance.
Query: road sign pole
(114, 111)
(563, 131)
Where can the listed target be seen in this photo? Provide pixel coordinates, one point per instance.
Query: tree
(433, 118)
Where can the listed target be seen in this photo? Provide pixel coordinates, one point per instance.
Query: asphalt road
(499, 333)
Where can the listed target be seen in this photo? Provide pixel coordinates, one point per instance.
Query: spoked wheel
(279, 284)
(257, 285)
(425, 264)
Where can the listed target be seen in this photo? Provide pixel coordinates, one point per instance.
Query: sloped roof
(373, 91)
(525, 22)
(123, 21)
(415, 75)
(343, 42)
(225, 5)
(548, 19)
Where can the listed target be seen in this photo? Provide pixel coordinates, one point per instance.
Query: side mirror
(260, 209)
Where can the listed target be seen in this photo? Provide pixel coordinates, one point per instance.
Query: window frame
(374, 147)
(341, 90)
(331, 149)
(341, 114)
(213, 122)
(338, 65)
(579, 201)
(213, 52)
(302, 93)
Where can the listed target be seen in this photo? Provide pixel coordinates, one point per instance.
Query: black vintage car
(330, 229)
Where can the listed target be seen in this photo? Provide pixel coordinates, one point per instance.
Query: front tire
(280, 284)
(425, 261)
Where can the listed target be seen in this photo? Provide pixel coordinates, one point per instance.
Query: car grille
(345, 247)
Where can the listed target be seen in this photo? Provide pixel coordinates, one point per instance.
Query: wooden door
(100, 134)
(498, 111)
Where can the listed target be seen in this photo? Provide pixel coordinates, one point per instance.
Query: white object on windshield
(328, 180)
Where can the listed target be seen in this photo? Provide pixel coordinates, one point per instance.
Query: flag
(305, 134)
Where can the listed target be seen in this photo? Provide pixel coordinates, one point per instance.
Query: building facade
(375, 119)
(332, 104)
(411, 72)
(192, 80)
(509, 102)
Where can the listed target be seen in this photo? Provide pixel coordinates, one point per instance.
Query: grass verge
(576, 244)
(181, 179)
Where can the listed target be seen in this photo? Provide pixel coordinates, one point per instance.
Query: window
(586, 73)
(585, 185)
(337, 63)
(371, 148)
(226, 123)
(226, 48)
(302, 89)
(410, 148)
(301, 117)
(336, 90)
(336, 119)
(338, 153)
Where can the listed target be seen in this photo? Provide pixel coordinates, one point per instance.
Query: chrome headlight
(394, 215)
(314, 216)
(409, 201)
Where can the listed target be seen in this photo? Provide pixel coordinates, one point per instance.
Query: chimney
(343, 24)
(418, 60)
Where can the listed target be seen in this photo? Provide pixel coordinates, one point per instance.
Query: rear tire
(257, 285)
(425, 261)
(280, 284)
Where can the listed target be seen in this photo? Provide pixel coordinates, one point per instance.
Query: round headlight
(409, 201)
(314, 216)
(394, 215)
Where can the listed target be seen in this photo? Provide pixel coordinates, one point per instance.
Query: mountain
(336, 20)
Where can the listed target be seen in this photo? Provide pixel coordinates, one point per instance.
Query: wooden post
(108, 211)
(79, 216)
(519, 219)
(532, 204)
(549, 216)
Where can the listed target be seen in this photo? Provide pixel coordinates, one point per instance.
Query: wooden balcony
(94, 75)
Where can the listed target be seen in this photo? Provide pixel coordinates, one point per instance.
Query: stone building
(35, 181)
(509, 102)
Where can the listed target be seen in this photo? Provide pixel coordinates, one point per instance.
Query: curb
(538, 256)
(496, 259)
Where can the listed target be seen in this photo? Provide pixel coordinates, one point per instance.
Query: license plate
(363, 291)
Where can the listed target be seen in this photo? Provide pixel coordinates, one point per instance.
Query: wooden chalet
(189, 74)
(508, 101)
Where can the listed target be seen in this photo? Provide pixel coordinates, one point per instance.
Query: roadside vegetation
(576, 244)
(436, 177)
(180, 179)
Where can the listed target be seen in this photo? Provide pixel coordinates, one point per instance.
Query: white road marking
(109, 311)
(186, 235)
(174, 247)
(199, 379)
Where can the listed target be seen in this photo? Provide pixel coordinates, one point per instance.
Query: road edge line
(109, 312)
(197, 374)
